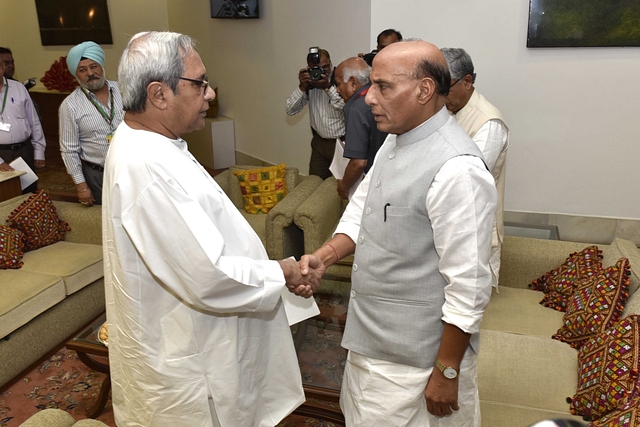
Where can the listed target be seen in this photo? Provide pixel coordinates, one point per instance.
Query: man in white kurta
(197, 331)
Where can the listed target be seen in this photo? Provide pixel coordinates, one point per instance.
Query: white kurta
(193, 303)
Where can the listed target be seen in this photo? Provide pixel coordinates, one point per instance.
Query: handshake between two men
(303, 277)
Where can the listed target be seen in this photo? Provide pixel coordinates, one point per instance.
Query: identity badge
(5, 127)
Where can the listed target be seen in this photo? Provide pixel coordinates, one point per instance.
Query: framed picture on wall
(235, 9)
(583, 23)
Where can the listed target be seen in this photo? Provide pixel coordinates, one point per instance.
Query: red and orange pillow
(37, 218)
(558, 284)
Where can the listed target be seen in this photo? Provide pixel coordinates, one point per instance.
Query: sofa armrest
(318, 216)
(85, 222)
(283, 237)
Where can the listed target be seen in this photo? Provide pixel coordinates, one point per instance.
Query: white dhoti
(385, 394)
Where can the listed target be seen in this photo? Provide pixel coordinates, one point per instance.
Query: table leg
(97, 408)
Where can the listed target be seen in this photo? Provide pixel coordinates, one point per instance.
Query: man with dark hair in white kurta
(197, 331)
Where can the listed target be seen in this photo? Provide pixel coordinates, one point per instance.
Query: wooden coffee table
(317, 342)
(87, 346)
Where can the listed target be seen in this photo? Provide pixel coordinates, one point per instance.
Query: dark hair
(387, 33)
(438, 72)
(5, 50)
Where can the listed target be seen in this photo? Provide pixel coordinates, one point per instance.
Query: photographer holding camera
(325, 109)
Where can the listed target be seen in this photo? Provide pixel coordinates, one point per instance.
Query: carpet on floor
(64, 382)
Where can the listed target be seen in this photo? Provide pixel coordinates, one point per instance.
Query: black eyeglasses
(204, 83)
(454, 83)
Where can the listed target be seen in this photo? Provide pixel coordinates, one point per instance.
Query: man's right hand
(300, 284)
(84, 195)
(305, 79)
(5, 167)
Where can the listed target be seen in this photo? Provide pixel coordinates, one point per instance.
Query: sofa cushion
(527, 371)
(262, 188)
(24, 295)
(627, 415)
(596, 305)
(11, 247)
(78, 264)
(517, 311)
(608, 369)
(38, 219)
(559, 283)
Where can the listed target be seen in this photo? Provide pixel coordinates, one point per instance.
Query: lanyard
(108, 118)
(6, 92)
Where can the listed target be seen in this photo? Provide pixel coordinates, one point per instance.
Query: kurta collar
(475, 97)
(424, 130)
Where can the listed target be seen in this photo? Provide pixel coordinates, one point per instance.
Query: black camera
(316, 71)
(368, 57)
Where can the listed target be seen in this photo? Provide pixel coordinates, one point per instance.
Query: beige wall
(19, 31)
(255, 64)
(573, 112)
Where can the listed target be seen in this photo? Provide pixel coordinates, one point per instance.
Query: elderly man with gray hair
(88, 117)
(362, 138)
(198, 334)
(485, 125)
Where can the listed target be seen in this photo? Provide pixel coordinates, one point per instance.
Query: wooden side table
(10, 185)
(86, 345)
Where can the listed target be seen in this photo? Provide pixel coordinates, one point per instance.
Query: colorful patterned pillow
(608, 370)
(627, 415)
(597, 304)
(262, 188)
(11, 246)
(558, 284)
(37, 218)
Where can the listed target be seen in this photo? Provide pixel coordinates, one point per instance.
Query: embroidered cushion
(607, 369)
(11, 246)
(559, 283)
(262, 188)
(627, 415)
(596, 304)
(37, 218)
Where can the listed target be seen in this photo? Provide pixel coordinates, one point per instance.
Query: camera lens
(315, 73)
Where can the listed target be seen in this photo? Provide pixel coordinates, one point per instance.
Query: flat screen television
(235, 9)
(70, 22)
(583, 23)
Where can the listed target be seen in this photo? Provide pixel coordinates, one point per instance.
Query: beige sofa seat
(524, 376)
(59, 289)
(76, 263)
(523, 379)
(276, 229)
(24, 295)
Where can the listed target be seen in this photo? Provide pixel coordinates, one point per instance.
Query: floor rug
(64, 382)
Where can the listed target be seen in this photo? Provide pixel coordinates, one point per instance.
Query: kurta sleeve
(184, 250)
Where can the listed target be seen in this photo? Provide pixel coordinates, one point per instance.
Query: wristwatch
(447, 371)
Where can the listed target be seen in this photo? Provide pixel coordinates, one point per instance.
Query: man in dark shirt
(362, 138)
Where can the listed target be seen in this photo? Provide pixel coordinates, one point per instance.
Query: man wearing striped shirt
(88, 117)
(325, 111)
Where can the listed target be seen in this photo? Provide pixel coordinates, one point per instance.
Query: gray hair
(460, 63)
(151, 57)
(361, 74)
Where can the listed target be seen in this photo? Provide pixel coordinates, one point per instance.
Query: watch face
(450, 373)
